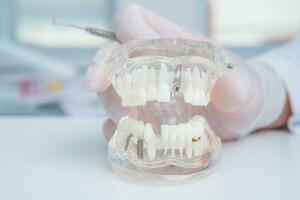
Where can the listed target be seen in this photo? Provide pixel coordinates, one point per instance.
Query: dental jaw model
(165, 81)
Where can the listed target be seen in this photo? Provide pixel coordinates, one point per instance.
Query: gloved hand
(250, 97)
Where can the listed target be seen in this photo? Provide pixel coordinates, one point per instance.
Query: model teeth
(181, 137)
(173, 137)
(165, 137)
(186, 140)
(150, 141)
(150, 84)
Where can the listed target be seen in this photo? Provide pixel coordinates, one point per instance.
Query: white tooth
(188, 137)
(151, 151)
(196, 78)
(127, 126)
(181, 137)
(149, 137)
(163, 93)
(198, 131)
(139, 129)
(204, 80)
(173, 136)
(151, 92)
(144, 76)
(197, 148)
(123, 126)
(189, 134)
(152, 79)
(142, 96)
(188, 93)
(163, 89)
(206, 99)
(118, 86)
(138, 94)
(202, 98)
(197, 123)
(126, 93)
(163, 73)
(197, 97)
(164, 129)
(149, 134)
(188, 151)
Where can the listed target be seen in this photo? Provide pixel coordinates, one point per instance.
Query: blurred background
(42, 66)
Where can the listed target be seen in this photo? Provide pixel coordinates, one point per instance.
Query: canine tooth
(173, 136)
(188, 151)
(149, 137)
(165, 136)
(181, 137)
(163, 93)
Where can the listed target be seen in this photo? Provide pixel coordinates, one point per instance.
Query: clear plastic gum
(164, 80)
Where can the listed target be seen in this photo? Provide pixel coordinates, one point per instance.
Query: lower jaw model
(173, 144)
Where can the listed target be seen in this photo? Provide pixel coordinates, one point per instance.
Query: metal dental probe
(91, 30)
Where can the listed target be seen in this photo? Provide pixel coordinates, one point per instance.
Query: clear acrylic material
(165, 141)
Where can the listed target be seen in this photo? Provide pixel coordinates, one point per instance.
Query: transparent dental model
(164, 80)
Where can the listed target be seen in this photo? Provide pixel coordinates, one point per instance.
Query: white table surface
(65, 158)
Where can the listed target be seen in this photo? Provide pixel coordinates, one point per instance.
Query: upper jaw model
(165, 79)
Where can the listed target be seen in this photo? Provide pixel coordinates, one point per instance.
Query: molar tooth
(149, 137)
(198, 134)
(181, 137)
(164, 129)
(173, 136)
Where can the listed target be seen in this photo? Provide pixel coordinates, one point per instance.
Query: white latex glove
(248, 98)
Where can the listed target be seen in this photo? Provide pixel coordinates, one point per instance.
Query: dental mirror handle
(91, 30)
